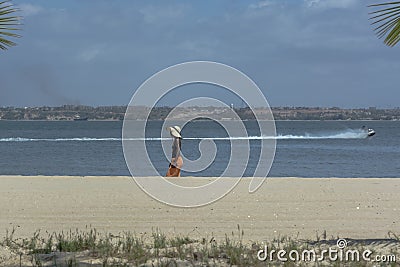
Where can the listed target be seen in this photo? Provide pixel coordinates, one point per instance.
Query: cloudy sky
(299, 52)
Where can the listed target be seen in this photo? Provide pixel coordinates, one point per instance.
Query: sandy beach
(350, 208)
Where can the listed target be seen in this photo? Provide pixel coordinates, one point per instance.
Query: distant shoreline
(116, 113)
(94, 120)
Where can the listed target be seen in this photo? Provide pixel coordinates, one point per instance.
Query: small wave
(349, 134)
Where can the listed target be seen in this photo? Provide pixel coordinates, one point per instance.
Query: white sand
(352, 208)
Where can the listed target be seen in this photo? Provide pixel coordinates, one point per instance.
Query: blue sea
(304, 148)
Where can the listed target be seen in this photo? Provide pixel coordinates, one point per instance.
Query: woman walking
(175, 166)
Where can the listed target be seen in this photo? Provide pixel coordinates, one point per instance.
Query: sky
(299, 52)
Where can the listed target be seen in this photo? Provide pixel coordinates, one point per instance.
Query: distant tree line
(70, 112)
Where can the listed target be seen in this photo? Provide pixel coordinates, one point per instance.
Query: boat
(79, 118)
(369, 131)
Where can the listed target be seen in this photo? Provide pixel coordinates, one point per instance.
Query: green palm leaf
(387, 21)
(8, 24)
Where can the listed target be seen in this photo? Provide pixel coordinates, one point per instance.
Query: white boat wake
(348, 134)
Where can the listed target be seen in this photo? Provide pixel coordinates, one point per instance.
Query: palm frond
(387, 21)
(8, 23)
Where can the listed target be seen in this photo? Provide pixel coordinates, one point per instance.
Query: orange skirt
(175, 171)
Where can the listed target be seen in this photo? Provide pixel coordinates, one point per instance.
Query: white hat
(175, 131)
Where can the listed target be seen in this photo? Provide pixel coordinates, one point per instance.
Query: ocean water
(304, 148)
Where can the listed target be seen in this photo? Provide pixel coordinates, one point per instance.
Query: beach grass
(88, 247)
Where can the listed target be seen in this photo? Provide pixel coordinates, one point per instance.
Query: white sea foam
(348, 134)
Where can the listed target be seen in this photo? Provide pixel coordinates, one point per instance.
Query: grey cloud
(291, 48)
